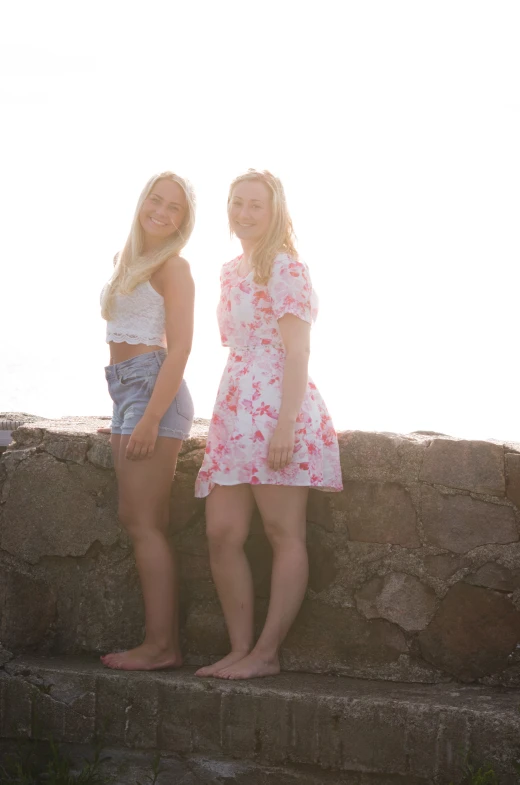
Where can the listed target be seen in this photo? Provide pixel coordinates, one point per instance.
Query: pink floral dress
(250, 392)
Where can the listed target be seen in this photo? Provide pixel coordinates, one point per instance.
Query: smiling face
(162, 212)
(250, 211)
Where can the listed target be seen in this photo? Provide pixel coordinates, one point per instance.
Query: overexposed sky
(394, 127)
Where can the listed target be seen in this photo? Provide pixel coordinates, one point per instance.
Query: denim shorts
(131, 384)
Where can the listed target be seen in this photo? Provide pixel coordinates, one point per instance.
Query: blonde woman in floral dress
(271, 437)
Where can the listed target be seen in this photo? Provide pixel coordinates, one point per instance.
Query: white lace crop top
(138, 317)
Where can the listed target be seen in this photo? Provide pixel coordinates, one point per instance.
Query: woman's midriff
(119, 352)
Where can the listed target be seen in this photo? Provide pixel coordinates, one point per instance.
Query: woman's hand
(281, 446)
(142, 441)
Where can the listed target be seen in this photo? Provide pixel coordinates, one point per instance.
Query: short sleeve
(291, 290)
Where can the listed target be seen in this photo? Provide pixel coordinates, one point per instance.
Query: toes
(111, 661)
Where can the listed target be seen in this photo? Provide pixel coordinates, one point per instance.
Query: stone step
(367, 731)
(134, 767)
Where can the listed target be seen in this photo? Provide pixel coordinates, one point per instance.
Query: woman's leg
(283, 511)
(144, 495)
(228, 515)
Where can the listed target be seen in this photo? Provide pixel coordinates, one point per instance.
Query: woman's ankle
(266, 653)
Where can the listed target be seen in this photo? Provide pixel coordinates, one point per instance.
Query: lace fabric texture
(138, 317)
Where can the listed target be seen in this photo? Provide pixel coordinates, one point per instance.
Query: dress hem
(325, 488)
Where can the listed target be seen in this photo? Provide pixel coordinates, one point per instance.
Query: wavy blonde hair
(131, 266)
(280, 237)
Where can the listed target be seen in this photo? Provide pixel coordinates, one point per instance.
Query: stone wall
(414, 568)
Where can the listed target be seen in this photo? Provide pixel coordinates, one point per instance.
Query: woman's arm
(178, 291)
(296, 338)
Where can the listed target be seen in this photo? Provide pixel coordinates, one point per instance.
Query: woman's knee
(281, 533)
(225, 533)
(139, 523)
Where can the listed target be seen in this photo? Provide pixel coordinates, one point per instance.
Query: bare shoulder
(175, 281)
(177, 266)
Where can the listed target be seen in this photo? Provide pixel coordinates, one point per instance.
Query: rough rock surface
(426, 526)
(400, 598)
(473, 633)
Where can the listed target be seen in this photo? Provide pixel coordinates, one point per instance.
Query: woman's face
(250, 210)
(163, 210)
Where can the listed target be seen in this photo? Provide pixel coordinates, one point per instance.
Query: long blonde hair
(131, 266)
(280, 237)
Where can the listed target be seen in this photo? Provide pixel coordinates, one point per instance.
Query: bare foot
(104, 430)
(143, 658)
(232, 658)
(250, 667)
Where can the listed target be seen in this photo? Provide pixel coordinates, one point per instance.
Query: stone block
(16, 700)
(260, 556)
(174, 730)
(238, 722)
(190, 461)
(321, 729)
(493, 737)
(453, 744)
(302, 736)
(50, 513)
(111, 705)
(3, 478)
(467, 465)
(339, 640)
(322, 559)
(384, 457)
(100, 452)
(399, 598)
(204, 715)
(329, 728)
(127, 713)
(204, 631)
(68, 718)
(320, 507)
(420, 746)
(272, 729)
(28, 435)
(372, 739)
(460, 523)
(28, 609)
(66, 448)
(5, 656)
(513, 477)
(380, 513)
(184, 507)
(142, 714)
(472, 634)
(494, 576)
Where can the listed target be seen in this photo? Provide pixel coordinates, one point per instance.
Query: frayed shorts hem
(169, 433)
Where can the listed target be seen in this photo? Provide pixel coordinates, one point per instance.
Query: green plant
(478, 775)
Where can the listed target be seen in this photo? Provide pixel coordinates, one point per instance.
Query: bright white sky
(395, 128)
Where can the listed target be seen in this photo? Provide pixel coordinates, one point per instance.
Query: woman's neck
(247, 250)
(151, 245)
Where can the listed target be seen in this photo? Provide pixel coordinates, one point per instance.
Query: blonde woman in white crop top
(148, 305)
